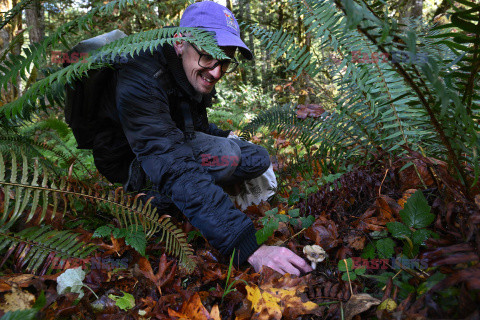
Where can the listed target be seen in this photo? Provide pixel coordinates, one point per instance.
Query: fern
(35, 246)
(9, 15)
(42, 200)
(387, 107)
(16, 65)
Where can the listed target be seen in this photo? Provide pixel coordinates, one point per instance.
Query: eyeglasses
(208, 62)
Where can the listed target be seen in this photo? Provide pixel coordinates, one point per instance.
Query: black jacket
(145, 122)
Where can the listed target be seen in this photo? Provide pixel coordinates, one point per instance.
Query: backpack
(81, 96)
(81, 103)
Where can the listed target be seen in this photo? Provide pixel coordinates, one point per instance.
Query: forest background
(369, 109)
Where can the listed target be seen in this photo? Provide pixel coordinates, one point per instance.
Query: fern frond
(35, 246)
(391, 105)
(12, 13)
(41, 200)
(128, 46)
(176, 243)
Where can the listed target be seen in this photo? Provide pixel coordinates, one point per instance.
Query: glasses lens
(206, 61)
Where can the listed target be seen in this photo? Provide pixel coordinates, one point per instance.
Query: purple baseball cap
(214, 17)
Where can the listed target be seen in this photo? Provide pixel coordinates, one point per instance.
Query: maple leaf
(193, 309)
(161, 278)
(279, 298)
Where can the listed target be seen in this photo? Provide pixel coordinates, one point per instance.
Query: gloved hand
(279, 259)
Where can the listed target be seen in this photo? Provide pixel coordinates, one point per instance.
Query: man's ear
(178, 45)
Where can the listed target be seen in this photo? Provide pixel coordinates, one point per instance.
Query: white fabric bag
(255, 190)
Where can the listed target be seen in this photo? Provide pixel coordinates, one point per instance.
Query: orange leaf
(193, 309)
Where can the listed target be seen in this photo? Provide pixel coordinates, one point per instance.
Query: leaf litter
(351, 216)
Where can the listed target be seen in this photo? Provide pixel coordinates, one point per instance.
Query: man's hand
(279, 259)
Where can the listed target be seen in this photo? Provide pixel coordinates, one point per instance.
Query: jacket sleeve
(169, 162)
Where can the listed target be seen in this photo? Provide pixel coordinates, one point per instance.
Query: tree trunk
(34, 19)
(248, 17)
(229, 5)
(7, 35)
(240, 14)
(417, 9)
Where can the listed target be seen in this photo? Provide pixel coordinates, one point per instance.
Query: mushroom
(315, 254)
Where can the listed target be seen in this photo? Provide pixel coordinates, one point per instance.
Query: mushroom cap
(314, 253)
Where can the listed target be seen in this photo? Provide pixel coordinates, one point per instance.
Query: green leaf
(431, 281)
(343, 267)
(419, 236)
(294, 196)
(416, 213)
(120, 233)
(103, 231)
(28, 314)
(360, 271)
(410, 251)
(263, 234)
(294, 213)
(71, 281)
(126, 302)
(353, 276)
(399, 230)
(368, 252)
(307, 221)
(137, 240)
(41, 301)
(385, 248)
(271, 212)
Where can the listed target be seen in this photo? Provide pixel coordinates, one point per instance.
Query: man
(155, 138)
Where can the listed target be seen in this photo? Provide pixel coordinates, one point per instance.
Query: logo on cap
(230, 20)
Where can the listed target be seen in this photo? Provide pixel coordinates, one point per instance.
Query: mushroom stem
(314, 265)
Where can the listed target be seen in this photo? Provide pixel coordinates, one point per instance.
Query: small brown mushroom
(315, 254)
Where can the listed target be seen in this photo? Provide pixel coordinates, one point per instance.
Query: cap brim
(226, 39)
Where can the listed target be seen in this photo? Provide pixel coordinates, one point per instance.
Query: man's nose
(217, 72)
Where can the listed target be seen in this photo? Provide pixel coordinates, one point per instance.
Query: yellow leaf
(272, 303)
(264, 304)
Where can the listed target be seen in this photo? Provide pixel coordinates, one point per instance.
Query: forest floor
(394, 252)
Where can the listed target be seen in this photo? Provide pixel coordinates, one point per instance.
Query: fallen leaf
(324, 233)
(359, 303)
(193, 309)
(356, 242)
(162, 277)
(389, 305)
(279, 297)
(388, 208)
(17, 300)
(264, 304)
(309, 110)
(407, 194)
(71, 281)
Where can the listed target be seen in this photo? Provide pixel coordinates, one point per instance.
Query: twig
(348, 275)
(380, 189)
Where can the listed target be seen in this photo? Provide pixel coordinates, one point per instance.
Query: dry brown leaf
(309, 110)
(17, 300)
(324, 233)
(193, 309)
(477, 200)
(359, 303)
(410, 179)
(161, 278)
(356, 242)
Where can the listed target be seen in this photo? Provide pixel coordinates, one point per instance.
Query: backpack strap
(173, 97)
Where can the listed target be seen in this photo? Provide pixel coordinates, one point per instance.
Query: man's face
(201, 79)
